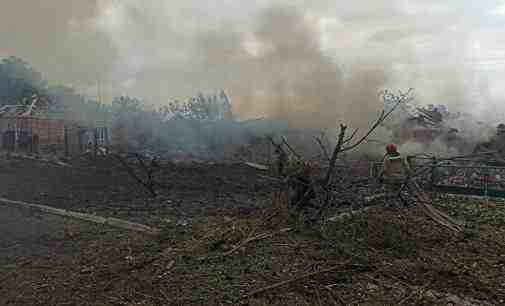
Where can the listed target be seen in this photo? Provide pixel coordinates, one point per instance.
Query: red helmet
(391, 148)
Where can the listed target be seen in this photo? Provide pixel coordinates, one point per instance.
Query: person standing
(395, 172)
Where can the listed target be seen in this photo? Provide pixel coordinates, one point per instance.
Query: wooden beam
(112, 222)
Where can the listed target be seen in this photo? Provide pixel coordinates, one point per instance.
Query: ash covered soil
(104, 187)
(227, 236)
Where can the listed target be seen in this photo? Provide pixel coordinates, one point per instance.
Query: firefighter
(395, 173)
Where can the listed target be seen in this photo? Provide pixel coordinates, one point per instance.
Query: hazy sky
(450, 51)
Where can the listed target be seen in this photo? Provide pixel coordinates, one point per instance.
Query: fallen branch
(257, 166)
(302, 277)
(343, 216)
(246, 241)
(423, 202)
(39, 159)
(435, 214)
(374, 197)
(112, 222)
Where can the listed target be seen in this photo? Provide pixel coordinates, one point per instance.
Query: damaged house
(426, 125)
(29, 127)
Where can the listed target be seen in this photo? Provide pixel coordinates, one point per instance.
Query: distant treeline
(184, 125)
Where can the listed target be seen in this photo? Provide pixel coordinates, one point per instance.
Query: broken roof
(34, 107)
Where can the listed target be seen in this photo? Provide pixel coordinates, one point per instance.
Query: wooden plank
(257, 166)
(112, 222)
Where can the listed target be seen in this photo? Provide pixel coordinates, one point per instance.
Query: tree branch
(323, 148)
(149, 185)
(334, 156)
(291, 148)
(351, 267)
(352, 135)
(398, 100)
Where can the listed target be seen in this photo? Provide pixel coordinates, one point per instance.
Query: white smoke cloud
(450, 52)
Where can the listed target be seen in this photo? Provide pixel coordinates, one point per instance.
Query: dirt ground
(104, 187)
(228, 236)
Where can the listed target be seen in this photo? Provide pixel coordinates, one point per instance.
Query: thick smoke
(58, 38)
(287, 75)
(314, 64)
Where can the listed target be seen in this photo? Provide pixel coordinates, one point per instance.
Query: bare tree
(347, 143)
(142, 169)
(307, 187)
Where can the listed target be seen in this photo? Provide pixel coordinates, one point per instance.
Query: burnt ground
(104, 187)
(226, 233)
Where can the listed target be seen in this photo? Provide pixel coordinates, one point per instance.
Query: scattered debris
(389, 256)
(344, 267)
(51, 160)
(236, 236)
(346, 215)
(246, 241)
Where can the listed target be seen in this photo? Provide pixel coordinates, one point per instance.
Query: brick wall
(50, 133)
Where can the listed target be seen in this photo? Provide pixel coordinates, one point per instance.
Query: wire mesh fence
(473, 177)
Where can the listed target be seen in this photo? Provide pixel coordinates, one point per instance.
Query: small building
(24, 130)
(31, 134)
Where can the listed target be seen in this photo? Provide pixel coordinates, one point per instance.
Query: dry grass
(221, 237)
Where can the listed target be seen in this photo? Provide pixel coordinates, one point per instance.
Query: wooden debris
(435, 214)
(346, 215)
(53, 161)
(257, 166)
(246, 241)
(302, 277)
(374, 197)
(112, 222)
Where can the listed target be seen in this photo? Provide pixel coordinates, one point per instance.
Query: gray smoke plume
(313, 64)
(287, 75)
(273, 67)
(58, 38)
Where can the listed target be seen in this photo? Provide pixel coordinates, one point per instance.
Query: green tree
(18, 81)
